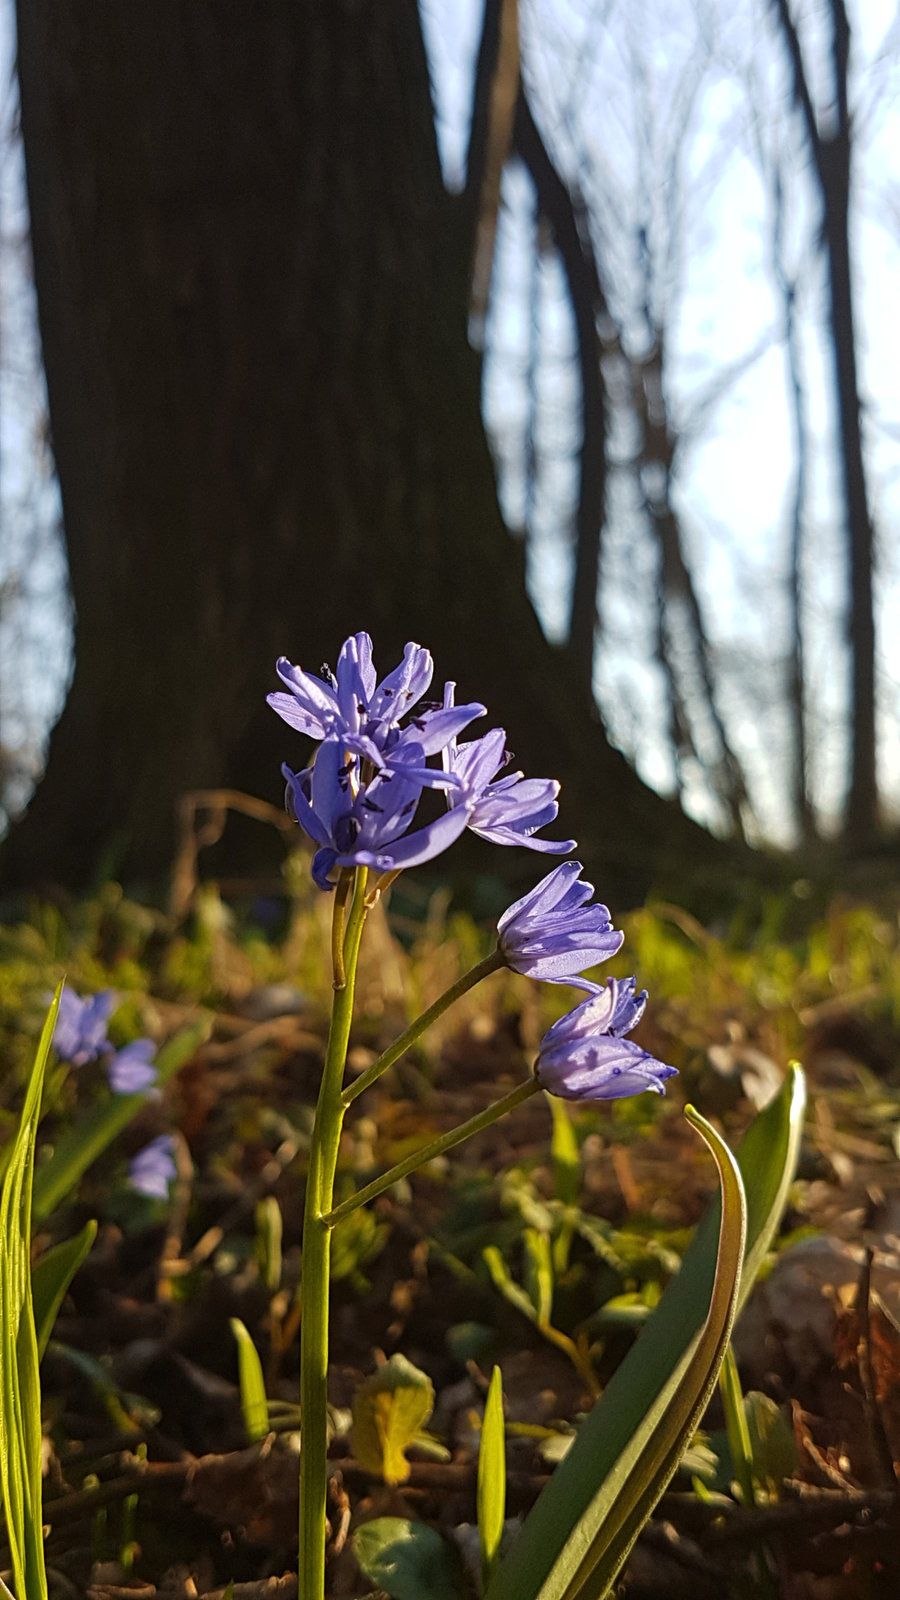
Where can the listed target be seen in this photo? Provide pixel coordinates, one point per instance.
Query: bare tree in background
(829, 135)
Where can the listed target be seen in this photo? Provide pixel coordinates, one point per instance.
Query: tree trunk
(253, 292)
(862, 810)
(832, 154)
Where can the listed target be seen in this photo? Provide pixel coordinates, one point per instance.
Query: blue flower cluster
(81, 1036)
(358, 801)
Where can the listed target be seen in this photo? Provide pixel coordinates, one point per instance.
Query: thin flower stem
(316, 1262)
(338, 922)
(483, 969)
(437, 1147)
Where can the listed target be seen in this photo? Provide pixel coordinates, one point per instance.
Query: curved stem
(437, 1147)
(317, 1255)
(483, 969)
(338, 924)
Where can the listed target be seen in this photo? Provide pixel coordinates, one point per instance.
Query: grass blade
(20, 1390)
(491, 1496)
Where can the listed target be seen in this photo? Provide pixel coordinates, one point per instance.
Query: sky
(610, 81)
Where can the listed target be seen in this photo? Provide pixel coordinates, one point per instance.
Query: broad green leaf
(657, 1361)
(51, 1276)
(409, 1560)
(254, 1405)
(389, 1409)
(629, 1493)
(79, 1146)
(20, 1389)
(491, 1498)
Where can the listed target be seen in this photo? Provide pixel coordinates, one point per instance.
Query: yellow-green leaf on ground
(389, 1409)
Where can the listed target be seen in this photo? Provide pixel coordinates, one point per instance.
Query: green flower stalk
(314, 1284)
(414, 1032)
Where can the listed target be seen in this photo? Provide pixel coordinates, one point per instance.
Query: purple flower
(153, 1168)
(363, 825)
(132, 1068)
(365, 716)
(584, 1056)
(553, 933)
(509, 810)
(80, 1034)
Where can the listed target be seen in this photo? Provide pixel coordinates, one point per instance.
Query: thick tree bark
(253, 294)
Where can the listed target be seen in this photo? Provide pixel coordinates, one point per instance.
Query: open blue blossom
(352, 706)
(364, 825)
(508, 810)
(80, 1034)
(153, 1168)
(132, 1069)
(553, 932)
(584, 1055)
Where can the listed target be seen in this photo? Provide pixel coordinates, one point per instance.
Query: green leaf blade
(20, 1389)
(655, 1363)
(254, 1402)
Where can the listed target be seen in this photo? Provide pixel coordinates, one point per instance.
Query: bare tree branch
(493, 110)
(565, 214)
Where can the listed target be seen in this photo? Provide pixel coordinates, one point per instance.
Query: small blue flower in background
(363, 826)
(508, 810)
(132, 1068)
(80, 1034)
(584, 1056)
(552, 933)
(153, 1168)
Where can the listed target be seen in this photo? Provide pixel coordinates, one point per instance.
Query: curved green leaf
(653, 1369)
(254, 1405)
(51, 1276)
(79, 1146)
